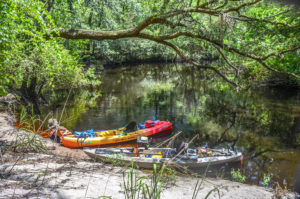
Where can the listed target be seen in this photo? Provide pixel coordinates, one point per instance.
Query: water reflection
(264, 124)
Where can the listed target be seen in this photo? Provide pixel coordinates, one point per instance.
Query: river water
(262, 123)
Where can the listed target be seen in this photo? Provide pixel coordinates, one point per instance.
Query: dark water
(263, 123)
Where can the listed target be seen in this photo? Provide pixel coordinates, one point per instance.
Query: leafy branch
(183, 29)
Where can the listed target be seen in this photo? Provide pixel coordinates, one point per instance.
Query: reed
(136, 187)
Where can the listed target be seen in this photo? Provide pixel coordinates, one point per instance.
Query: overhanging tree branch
(238, 8)
(227, 61)
(277, 54)
(235, 50)
(247, 18)
(165, 19)
(179, 53)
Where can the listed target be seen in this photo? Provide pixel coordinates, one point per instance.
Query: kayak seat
(180, 146)
(132, 126)
(85, 134)
(141, 126)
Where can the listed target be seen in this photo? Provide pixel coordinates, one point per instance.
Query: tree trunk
(292, 138)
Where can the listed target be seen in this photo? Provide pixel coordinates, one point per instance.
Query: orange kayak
(116, 135)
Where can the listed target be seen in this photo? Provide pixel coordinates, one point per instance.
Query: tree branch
(281, 52)
(164, 39)
(179, 53)
(95, 34)
(246, 18)
(222, 6)
(232, 49)
(280, 13)
(238, 8)
(227, 61)
(204, 5)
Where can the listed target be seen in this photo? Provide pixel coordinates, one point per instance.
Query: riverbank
(50, 176)
(64, 173)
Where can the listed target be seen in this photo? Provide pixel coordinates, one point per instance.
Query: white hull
(146, 162)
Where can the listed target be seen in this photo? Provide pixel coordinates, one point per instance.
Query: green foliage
(109, 15)
(3, 148)
(266, 180)
(253, 37)
(28, 121)
(6, 40)
(29, 142)
(169, 176)
(38, 176)
(157, 87)
(29, 53)
(154, 189)
(116, 159)
(105, 197)
(80, 100)
(261, 38)
(90, 78)
(138, 187)
(237, 176)
(133, 184)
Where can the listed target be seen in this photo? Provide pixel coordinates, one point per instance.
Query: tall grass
(136, 187)
(28, 122)
(29, 142)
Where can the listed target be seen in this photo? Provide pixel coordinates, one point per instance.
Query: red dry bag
(149, 123)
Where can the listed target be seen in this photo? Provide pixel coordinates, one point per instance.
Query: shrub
(237, 176)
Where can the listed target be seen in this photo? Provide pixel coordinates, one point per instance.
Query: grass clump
(266, 180)
(237, 176)
(28, 141)
(169, 176)
(116, 159)
(136, 187)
